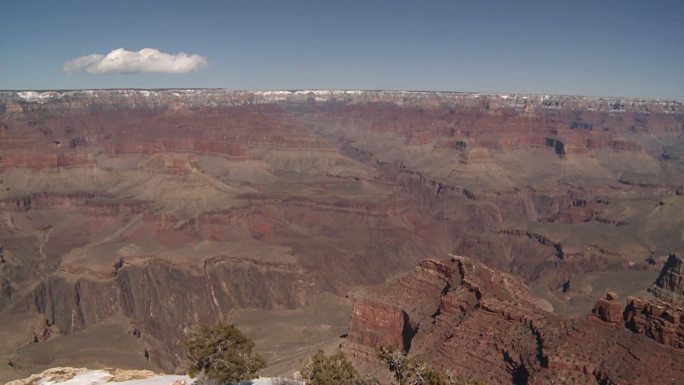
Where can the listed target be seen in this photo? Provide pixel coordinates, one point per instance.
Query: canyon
(130, 216)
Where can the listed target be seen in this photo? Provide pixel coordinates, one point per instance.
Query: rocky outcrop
(451, 309)
(476, 322)
(609, 309)
(377, 325)
(660, 316)
(669, 286)
(392, 315)
(655, 319)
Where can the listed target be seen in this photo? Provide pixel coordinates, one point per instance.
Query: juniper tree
(333, 370)
(409, 370)
(222, 354)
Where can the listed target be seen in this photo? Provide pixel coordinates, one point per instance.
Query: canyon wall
(171, 208)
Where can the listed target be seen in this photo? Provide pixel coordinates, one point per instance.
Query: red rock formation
(656, 319)
(475, 322)
(660, 318)
(609, 309)
(376, 325)
(670, 283)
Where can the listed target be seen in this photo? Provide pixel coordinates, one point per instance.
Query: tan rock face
(53, 374)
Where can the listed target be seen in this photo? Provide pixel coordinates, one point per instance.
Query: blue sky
(611, 48)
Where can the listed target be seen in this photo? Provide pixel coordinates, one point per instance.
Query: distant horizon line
(487, 93)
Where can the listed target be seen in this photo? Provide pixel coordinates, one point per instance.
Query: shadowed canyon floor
(129, 216)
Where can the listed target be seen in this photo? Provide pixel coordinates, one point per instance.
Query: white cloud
(128, 62)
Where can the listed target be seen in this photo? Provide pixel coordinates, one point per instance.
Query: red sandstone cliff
(476, 322)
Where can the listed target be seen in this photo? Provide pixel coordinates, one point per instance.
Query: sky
(580, 47)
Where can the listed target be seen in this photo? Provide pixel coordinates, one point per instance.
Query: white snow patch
(90, 377)
(260, 381)
(156, 380)
(36, 96)
(103, 377)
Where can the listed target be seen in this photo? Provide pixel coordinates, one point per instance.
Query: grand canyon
(509, 238)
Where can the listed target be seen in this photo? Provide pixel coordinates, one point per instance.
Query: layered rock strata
(609, 309)
(163, 209)
(670, 283)
(479, 323)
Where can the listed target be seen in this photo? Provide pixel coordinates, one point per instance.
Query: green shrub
(333, 370)
(409, 370)
(222, 354)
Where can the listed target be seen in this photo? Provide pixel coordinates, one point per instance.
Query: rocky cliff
(475, 322)
(657, 320)
(670, 283)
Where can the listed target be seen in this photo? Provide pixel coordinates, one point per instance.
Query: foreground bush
(222, 354)
(333, 370)
(410, 371)
(467, 381)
